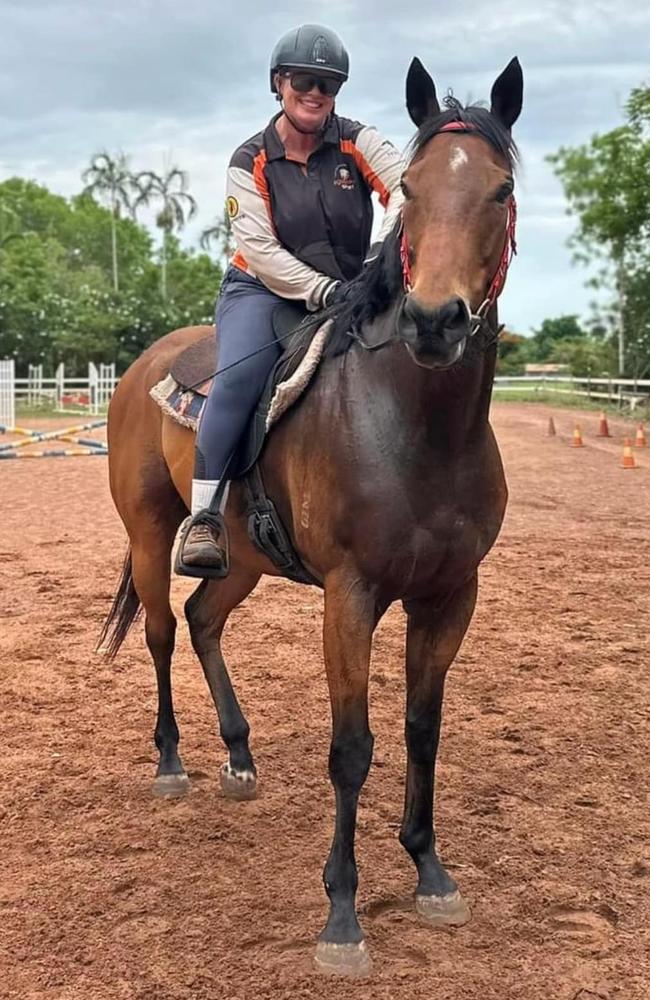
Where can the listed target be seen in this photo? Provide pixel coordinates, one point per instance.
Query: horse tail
(124, 611)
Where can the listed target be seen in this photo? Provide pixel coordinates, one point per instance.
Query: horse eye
(505, 191)
(405, 191)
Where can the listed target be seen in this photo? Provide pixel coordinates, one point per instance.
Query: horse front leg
(434, 635)
(350, 619)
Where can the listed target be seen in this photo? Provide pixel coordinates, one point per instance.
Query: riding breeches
(244, 323)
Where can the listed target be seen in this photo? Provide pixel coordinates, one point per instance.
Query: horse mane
(376, 288)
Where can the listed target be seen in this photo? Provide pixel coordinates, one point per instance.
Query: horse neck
(450, 409)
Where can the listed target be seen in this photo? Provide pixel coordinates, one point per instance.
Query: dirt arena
(543, 805)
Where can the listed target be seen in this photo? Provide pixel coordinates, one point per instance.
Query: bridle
(478, 320)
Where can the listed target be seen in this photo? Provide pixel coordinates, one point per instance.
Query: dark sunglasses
(302, 83)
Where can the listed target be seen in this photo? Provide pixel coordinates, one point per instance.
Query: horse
(386, 474)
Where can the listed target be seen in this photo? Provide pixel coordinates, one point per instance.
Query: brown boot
(201, 548)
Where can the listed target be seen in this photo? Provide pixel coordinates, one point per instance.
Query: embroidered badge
(319, 50)
(343, 177)
(232, 207)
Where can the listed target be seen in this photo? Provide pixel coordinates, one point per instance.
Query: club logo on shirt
(232, 207)
(343, 177)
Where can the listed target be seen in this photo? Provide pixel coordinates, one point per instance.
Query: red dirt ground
(543, 808)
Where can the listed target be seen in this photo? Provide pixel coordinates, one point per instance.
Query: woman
(299, 199)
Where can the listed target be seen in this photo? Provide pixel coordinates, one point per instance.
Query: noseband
(478, 320)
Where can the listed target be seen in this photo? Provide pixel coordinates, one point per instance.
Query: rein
(479, 318)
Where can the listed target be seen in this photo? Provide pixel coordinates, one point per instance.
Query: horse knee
(350, 757)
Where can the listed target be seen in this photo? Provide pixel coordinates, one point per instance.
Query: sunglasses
(302, 83)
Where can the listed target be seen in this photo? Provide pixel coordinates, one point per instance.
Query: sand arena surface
(543, 791)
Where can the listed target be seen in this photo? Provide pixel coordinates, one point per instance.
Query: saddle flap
(196, 364)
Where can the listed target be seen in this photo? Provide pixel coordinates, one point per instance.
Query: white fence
(617, 391)
(66, 394)
(7, 396)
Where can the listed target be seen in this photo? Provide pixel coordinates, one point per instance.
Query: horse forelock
(479, 121)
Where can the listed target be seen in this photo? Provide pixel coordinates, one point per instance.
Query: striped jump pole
(52, 453)
(86, 442)
(32, 437)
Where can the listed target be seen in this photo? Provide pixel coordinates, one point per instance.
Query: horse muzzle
(435, 338)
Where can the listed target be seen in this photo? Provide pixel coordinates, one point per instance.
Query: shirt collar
(273, 142)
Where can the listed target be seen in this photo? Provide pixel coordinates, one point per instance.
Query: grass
(569, 401)
(49, 410)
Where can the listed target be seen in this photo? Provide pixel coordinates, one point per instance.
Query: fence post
(93, 378)
(59, 386)
(7, 394)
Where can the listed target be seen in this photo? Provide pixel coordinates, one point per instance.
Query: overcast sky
(189, 81)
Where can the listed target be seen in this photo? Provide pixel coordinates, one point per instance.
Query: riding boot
(201, 544)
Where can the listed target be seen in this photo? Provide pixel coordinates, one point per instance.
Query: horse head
(458, 214)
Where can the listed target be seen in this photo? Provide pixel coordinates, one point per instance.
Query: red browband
(509, 248)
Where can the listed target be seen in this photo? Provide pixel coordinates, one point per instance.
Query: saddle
(182, 395)
(194, 370)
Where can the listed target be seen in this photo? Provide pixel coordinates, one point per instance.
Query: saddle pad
(185, 405)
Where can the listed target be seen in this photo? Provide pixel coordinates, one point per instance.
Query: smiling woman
(299, 199)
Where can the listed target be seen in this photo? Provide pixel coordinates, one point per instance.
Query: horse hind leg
(151, 576)
(207, 611)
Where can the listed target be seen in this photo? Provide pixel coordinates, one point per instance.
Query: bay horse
(386, 474)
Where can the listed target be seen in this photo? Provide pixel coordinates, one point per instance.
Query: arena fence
(7, 395)
(621, 392)
(66, 394)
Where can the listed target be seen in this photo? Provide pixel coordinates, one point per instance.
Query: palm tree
(110, 178)
(221, 234)
(177, 205)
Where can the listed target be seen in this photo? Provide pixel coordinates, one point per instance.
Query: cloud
(155, 79)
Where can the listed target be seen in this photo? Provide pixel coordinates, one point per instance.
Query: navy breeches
(244, 322)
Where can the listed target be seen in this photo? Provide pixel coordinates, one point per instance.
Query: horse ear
(508, 94)
(421, 100)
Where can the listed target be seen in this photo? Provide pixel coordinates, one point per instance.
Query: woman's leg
(244, 321)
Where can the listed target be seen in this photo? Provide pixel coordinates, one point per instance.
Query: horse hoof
(238, 785)
(172, 786)
(443, 911)
(352, 960)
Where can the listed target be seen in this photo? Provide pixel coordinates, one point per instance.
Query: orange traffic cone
(551, 427)
(603, 428)
(640, 437)
(629, 461)
(577, 438)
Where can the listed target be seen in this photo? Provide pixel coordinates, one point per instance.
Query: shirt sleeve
(382, 165)
(260, 249)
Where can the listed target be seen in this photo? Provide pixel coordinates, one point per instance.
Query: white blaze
(458, 158)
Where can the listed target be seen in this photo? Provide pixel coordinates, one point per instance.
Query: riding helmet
(311, 47)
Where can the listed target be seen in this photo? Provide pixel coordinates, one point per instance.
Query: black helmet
(311, 47)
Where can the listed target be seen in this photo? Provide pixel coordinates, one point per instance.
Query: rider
(299, 200)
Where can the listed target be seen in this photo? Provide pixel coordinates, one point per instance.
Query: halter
(478, 319)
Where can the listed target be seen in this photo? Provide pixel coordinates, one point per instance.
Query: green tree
(110, 179)
(607, 184)
(177, 206)
(544, 340)
(57, 299)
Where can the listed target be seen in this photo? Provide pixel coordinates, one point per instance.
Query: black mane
(380, 282)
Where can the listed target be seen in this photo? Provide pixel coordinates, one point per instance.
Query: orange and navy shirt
(301, 232)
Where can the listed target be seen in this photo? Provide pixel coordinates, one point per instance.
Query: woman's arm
(382, 166)
(259, 249)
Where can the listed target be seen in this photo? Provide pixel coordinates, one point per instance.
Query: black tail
(124, 611)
